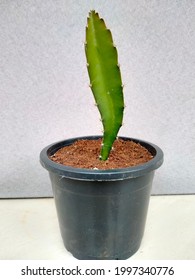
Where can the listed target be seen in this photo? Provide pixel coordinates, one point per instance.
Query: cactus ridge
(105, 79)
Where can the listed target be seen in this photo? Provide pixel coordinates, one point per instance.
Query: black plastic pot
(102, 213)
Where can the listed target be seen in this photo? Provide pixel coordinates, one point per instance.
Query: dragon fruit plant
(105, 79)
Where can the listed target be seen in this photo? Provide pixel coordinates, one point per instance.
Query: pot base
(116, 257)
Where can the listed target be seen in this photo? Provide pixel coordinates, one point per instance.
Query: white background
(44, 89)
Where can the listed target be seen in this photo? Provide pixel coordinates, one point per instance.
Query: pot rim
(97, 174)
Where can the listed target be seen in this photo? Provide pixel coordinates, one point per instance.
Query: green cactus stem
(105, 79)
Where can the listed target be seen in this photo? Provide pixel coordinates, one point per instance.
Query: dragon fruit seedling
(105, 79)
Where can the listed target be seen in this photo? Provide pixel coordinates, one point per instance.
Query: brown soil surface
(85, 154)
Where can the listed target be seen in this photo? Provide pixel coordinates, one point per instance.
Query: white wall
(44, 84)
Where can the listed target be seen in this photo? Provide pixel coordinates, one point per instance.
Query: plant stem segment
(105, 79)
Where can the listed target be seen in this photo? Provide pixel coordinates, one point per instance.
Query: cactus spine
(105, 79)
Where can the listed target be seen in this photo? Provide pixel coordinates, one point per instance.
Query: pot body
(101, 214)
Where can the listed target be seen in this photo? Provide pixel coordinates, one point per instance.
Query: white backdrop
(44, 84)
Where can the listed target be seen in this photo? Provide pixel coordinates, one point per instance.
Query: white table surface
(29, 230)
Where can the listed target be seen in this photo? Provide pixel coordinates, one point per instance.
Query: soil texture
(85, 154)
